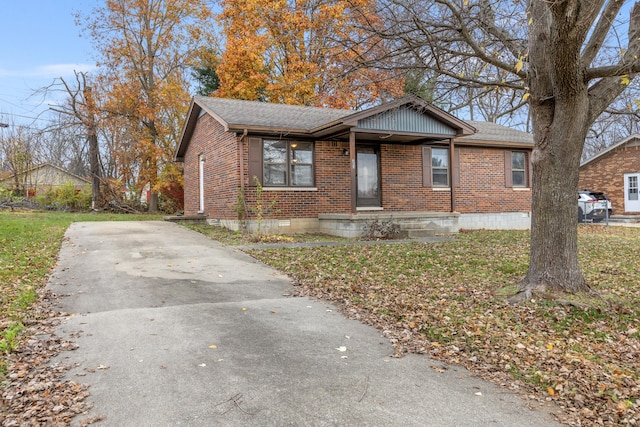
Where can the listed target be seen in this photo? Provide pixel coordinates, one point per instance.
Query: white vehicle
(600, 196)
(590, 209)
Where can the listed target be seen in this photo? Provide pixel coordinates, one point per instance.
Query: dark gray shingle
(237, 113)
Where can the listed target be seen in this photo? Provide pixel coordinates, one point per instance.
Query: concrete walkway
(176, 330)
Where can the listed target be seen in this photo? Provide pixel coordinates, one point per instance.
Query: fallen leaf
(213, 346)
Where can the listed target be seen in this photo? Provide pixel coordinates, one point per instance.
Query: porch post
(454, 173)
(352, 161)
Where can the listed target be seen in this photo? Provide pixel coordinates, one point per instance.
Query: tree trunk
(560, 113)
(95, 168)
(554, 228)
(153, 201)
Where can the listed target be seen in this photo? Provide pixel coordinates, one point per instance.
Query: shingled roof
(494, 133)
(235, 113)
(330, 123)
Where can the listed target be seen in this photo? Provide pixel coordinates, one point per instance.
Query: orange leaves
(145, 48)
(303, 53)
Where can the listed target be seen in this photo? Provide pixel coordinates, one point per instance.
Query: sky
(40, 42)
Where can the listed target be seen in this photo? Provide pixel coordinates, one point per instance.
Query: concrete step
(624, 218)
(423, 232)
(191, 219)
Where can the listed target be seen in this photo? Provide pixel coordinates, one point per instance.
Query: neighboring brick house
(331, 171)
(616, 172)
(39, 179)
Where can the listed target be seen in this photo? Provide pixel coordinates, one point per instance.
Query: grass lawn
(29, 246)
(447, 299)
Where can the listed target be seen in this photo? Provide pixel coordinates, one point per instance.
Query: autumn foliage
(308, 52)
(146, 48)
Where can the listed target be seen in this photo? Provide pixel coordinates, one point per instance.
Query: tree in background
(81, 106)
(205, 72)
(145, 50)
(19, 147)
(566, 61)
(304, 53)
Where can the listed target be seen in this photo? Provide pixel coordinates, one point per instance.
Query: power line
(27, 117)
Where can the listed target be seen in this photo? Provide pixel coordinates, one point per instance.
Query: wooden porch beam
(352, 161)
(454, 173)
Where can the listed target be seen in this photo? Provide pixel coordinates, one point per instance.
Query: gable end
(405, 119)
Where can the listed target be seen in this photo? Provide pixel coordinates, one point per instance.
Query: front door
(368, 177)
(631, 202)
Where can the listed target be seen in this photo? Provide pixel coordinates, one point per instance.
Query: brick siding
(606, 174)
(482, 183)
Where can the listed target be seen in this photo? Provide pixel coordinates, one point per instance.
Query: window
(632, 188)
(287, 163)
(437, 169)
(440, 167)
(518, 169)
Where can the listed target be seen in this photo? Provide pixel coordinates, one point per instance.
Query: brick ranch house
(616, 172)
(333, 171)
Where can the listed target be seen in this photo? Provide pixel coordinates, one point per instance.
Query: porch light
(345, 152)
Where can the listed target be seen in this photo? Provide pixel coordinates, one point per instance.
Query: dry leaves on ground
(35, 392)
(447, 300)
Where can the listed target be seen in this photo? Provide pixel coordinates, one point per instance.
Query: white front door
(631, 199)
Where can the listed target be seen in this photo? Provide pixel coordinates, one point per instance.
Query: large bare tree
(567, 60)
(81, 106)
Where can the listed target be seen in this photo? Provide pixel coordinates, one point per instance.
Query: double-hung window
(518, 169)
(287, 163)
(440, 167)
(437, 170)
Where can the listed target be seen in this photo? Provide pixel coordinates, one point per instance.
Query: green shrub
(66, 197)
(9, 337)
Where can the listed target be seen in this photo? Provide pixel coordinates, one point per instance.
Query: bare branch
(600, 32)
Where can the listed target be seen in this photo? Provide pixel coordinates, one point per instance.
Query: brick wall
(482, 184)
(606, 174)
(482, 181)
(332, 184)
(402, 188)
(221, 169)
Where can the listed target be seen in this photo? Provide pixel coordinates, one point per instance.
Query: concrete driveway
(176, 330)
